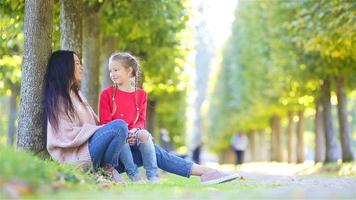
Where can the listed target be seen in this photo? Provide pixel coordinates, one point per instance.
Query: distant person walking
(165, 140)
(239, 144)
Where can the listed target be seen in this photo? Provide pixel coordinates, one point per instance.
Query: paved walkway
(286, 183)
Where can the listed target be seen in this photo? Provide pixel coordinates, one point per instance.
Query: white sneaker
(217, 176)
(154, 179)
(137, 179)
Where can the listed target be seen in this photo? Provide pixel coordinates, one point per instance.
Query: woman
(73, 134)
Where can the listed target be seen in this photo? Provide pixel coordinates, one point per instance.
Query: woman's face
(78, 69)
(118, 73)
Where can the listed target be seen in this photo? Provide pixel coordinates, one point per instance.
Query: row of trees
(282, 58)
(94, 29)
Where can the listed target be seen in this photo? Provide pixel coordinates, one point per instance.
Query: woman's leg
(127, 160)
(165, 161)
(179, 166)
(114, 134)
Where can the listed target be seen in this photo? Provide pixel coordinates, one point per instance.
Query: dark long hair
(59, 79)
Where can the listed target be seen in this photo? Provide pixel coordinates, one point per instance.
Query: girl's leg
(148, 154)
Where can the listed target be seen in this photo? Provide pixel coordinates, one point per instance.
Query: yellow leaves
(338, 54)
(11, 60)
(306, 100)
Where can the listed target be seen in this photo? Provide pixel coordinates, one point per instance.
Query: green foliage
(171, 115)
(11, 45)
(275, 61)
(150, 30)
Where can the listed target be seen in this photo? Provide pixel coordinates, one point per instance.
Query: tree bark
(290, 136)
(252, 144)
(12, 115)
(319, 136)
(109, 47)
(300, 137)
(330, 139)
(261, 146)
(276, 139)
(71, 25)
(91, 57)
(37, 50)
(151, 117)
(345, 131)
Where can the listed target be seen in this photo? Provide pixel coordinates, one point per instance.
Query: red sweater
(125, 107)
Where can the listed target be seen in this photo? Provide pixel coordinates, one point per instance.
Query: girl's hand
(131, 137)
(131, 140)
(132, 130)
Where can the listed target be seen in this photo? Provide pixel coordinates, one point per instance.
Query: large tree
(71, 25)
(37, 49)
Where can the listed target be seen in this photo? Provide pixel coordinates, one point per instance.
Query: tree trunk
(345, 131)
(319, 136)
(109, 47)
(252, 144)
(12, 115)
(151, 117)
(300, 137)
(290, 136)
(261, 146)
(276, 139)
(71, 25)
(37, 50)
(273, 141)
(91, 57)
(330, 139)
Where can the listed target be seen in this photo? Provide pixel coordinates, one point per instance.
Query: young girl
(124, 100)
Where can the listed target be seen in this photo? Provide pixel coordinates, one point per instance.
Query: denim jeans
(107, 143)
(148, 155)
(165, 161)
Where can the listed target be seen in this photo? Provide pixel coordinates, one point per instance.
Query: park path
(283, 181)
(302, 187)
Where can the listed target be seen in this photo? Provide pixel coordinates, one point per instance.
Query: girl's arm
(104, 107)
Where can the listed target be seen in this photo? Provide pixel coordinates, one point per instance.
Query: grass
(25, 176)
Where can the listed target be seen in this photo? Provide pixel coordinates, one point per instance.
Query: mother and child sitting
(118, 142)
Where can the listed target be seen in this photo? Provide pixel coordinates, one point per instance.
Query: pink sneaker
(216, 176)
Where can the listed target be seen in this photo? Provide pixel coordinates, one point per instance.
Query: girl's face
(78, 69)
(119, 74)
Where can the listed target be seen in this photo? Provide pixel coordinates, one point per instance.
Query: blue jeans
(149, 159)
(165, 161)
(107, 143)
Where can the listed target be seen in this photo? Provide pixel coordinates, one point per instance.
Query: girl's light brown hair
(127, 61)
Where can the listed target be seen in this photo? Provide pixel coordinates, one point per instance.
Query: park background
(282, 72)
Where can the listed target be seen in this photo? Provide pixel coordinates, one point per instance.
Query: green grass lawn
(23, 175)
